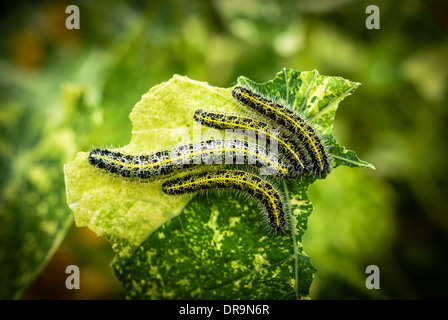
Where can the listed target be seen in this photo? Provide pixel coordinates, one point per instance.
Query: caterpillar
(166, 162)
(290, 150)
(291, 121)
(259, 189)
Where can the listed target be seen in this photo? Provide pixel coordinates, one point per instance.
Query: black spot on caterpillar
(292, 122)
(254, 186)
(166, 162)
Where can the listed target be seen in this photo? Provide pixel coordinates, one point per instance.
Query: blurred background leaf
(64, 90)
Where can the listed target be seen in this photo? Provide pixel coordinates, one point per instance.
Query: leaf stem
(294, 243)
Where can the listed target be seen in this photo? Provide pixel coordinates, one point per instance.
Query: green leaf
(33, 215)
(196, 246)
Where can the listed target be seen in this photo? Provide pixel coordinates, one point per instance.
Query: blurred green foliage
(64, 90)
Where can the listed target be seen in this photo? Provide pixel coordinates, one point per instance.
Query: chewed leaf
(131, 210)
(211, 246)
